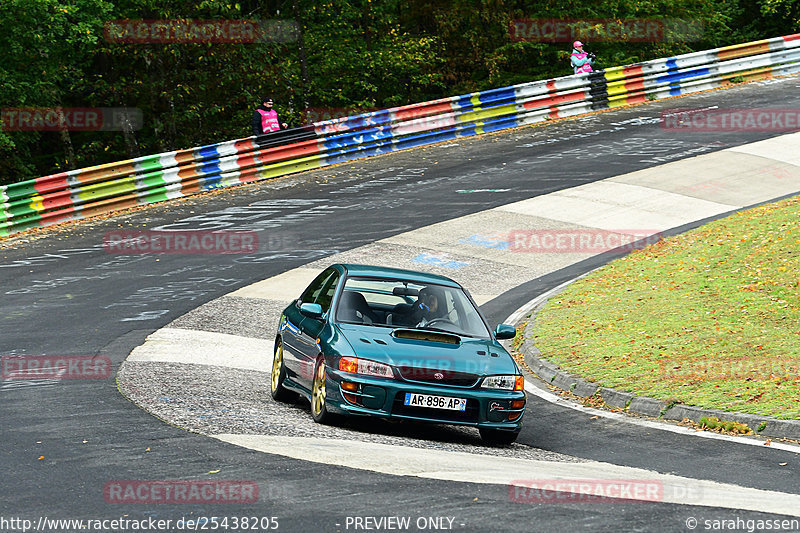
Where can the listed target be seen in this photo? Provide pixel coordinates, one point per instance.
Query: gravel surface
(210, 400)
(246, 317)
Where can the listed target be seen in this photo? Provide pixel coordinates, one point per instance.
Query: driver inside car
(429, 306)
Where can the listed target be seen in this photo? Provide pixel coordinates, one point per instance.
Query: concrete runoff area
(449, 466)
(175, 345)
(471, 250)
(610, 205)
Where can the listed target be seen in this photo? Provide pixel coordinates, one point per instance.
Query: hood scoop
(423, 335)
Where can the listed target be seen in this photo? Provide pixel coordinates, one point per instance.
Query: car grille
(469, 415)
(437, 377)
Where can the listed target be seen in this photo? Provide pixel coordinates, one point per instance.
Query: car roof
(399, 273)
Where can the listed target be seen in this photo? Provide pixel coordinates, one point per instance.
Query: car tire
(277, 390)
(498, 436)
(319, 396)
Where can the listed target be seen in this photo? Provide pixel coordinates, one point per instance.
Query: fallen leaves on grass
(720, 294)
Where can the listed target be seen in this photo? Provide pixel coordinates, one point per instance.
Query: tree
(47, 47)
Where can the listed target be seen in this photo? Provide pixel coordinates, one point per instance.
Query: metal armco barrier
(105, 188)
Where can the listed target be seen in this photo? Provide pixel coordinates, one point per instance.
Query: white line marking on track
(513, 472)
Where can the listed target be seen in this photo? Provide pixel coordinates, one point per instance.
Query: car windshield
(401, 303)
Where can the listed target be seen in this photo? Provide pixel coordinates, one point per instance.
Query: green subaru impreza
(373, 341)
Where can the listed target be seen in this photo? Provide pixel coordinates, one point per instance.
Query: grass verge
(710, 317)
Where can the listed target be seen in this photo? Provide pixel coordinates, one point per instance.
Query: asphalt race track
(64, 441)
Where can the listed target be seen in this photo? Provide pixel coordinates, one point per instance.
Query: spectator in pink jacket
(265, 119)
(581, 61)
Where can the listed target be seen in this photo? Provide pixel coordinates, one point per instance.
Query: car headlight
(355, 365)
(512, 382)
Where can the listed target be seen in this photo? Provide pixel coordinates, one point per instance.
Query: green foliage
(359, 56)
(709, 422)
(355, 54)
(47, 46)
(669, 405)
(715, 424)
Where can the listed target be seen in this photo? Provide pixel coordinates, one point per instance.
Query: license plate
(435, 402)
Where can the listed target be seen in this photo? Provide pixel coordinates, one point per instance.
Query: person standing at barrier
(581, 61)
(265, 119)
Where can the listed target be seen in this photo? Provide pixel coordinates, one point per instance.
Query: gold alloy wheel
(318, 390)
(277, 364)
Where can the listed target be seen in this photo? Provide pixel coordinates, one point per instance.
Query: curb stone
(553, 375)
(615, 398)
(640, 405)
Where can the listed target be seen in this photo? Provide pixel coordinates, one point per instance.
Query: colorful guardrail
(144, 180)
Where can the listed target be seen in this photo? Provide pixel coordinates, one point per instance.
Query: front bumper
(384, 398)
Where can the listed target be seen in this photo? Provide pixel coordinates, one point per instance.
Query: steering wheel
(441, 321)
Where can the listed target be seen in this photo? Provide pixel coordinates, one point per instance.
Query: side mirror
(311, 310)
(505, 331)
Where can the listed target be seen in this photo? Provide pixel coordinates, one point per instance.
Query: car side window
(313, 291)
(326, 294)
